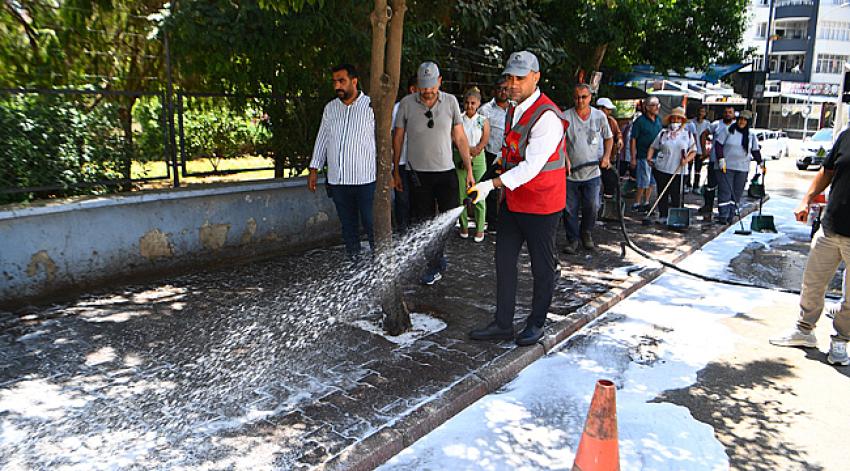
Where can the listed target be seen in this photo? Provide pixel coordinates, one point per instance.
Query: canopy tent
(712, 74)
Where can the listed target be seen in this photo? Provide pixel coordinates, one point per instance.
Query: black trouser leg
(538, 232)
(508, 245)
(661, 179)
(540, 236)
(710, 190)
(675, 192)
(697, 171)
(438, 192)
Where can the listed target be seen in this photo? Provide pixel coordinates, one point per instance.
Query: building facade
(803, 45)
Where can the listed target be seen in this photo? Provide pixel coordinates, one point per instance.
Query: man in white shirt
(495, 111)
(346, 143)
(534, 158)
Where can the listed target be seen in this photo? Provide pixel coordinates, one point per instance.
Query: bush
(48, 141)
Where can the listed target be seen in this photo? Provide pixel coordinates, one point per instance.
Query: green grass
(157, 169)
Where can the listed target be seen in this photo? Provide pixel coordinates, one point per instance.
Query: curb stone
(382, 445)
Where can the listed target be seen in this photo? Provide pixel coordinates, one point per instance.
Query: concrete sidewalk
(122, 378)
(698, 385)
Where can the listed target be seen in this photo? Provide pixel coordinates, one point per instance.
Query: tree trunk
(598, 56)
(383, 88)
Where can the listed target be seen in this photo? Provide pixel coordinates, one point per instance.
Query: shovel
(679, 219)
(762, 222)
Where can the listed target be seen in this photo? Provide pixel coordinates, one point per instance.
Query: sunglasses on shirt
(430, 116)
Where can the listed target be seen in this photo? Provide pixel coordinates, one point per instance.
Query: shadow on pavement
(728, 398)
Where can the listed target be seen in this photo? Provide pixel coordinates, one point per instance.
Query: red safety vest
(546, 193)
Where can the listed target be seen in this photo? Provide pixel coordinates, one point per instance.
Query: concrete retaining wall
(61, 246)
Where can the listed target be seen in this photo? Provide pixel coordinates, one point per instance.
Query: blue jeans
(354, 206)
(730, 189)
(643, 172)
(584, 197)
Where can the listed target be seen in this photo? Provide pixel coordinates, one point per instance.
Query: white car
(774, 144)
(815, 149)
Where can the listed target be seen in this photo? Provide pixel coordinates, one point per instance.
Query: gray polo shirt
(584, 143)
(429, 149)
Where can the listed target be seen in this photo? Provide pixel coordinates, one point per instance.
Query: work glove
(480, 191)
(722, 164)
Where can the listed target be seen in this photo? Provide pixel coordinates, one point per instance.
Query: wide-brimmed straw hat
(677, 111)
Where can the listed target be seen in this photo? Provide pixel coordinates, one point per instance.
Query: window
(830, 63)
(834, 30)
(761, 30)
(787, 63)
(792, 29)
(758, 62)
(786, 3)
(763, 3)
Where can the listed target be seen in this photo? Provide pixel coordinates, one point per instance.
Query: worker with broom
(669, 155)
(734, 151)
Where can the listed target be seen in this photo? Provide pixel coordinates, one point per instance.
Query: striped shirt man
(346, 142)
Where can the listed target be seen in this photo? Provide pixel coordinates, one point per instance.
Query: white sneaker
(797, 338)
(838, 353)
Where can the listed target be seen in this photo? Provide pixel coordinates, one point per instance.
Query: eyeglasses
(430, 117)
(502, 90)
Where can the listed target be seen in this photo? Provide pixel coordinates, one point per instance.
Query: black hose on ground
(628, 243)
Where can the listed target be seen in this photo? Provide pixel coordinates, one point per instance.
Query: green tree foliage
(49, 141)
(221, 46)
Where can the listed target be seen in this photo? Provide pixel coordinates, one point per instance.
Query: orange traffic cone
(598, 449)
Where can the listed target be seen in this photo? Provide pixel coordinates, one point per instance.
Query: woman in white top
(669, 155)
(477, 130)
(734, 150)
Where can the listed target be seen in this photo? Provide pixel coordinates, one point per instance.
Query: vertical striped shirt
(346, 142)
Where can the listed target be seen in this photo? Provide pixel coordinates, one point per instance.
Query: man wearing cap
(431, 121)
(589, 142)
(495, 111)
(534, 159)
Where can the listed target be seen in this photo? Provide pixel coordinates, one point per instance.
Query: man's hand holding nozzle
(479, 191)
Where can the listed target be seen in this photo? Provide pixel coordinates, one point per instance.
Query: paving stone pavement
(123, 377)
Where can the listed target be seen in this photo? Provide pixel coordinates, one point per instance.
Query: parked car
(815, 148)
(774, 144)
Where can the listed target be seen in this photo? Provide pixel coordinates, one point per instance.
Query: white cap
(605, 103)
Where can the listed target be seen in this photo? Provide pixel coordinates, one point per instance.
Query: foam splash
(163, 413)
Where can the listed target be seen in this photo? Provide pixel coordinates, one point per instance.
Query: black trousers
(436, 192)
(493, 198)
(609, 181)
(538, 233)
(710, 188)
(673, 197)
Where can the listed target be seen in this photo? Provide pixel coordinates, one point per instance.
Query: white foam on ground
(423, 326)
(654, 341)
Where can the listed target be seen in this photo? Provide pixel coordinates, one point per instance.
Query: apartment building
(803, 45)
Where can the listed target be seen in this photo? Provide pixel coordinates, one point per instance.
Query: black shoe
(587, 241)
(529, 336)
(492, 332)
(571, 248)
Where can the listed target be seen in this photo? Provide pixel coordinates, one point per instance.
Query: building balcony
(794, 11)
(790, 45)
(788, 76)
